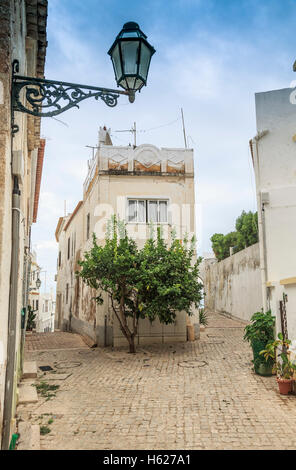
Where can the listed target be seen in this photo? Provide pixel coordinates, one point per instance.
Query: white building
(46, 313)
(23, 39)
(274, 158)
(34, 287)
(141, 185)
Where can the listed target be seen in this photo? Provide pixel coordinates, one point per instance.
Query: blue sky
(211, 57)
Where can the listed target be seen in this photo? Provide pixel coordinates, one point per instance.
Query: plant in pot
(284, 367)
(31, 319)
(203, 317)
(259, 333)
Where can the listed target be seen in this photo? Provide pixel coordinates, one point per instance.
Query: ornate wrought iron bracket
(48, 98)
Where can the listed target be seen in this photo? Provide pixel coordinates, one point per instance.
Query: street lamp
(131, 54)
(38, 283)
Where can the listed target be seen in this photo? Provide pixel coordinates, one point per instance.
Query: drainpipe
(27, 274)
(261, 220)
(12, 317)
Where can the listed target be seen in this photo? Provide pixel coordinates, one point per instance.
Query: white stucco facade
(274, 158)
(232, 286)
(137, 184)
(34, 292)
(46, 313)
(23, 39)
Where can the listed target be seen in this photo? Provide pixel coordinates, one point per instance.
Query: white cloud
(213, 76)
(46, 245)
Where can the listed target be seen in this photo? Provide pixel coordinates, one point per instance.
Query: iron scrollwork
(48, 98)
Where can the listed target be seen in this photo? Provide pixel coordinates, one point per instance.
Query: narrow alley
(194, 395)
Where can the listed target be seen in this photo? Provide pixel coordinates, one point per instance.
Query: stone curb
(29, 370)
(29, 436)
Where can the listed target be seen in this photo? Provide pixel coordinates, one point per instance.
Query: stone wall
(233, 286)
(22, 38)
(5, 185)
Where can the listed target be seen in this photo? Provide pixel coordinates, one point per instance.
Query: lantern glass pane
(129, 51)
(130, 82)
(116, 62)
(144, 61)
(123, 83)
(130, 34)
(139, 83)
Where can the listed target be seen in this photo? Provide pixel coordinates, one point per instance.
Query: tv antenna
(133, 130)
(93, 149)
(185, 141)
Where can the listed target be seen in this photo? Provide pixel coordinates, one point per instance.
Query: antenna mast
(133, 130)
(184, 128)
(93, 149)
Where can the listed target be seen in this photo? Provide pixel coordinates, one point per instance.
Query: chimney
(104, 136)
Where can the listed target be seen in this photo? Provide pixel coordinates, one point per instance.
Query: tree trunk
(130, 336)
(132, 347)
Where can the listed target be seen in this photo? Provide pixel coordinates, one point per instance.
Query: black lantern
(131, 54)
(38, 283)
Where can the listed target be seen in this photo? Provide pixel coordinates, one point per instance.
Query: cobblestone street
(199, 395)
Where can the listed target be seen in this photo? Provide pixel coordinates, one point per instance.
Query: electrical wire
(159, 127)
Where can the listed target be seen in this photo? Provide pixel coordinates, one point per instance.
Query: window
(37, 304)
(145, 211)
(73, 244)
(87, 225)
(68, 255)
(60, 259)
(67, 292)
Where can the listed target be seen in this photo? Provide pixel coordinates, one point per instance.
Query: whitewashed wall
(116, 174)
(274, 153)
(233, 286)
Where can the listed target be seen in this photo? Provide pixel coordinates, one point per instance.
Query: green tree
(221, 244)
(218, 245)
(246, 234)
(247, 228)
(156, 281)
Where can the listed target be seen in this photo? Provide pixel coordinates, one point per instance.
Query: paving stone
(57, 340)
(112, 402)
(29, 370)
(89, 341)
(27, 394)
(57, 376)
(29, 436)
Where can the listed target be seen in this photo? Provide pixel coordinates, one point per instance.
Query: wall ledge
(288, 280)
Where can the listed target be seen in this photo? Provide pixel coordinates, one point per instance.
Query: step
(27, 394)
(30, 370)
(89, 341)
(29, 436)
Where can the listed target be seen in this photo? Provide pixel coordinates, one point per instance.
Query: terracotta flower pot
(285, 385)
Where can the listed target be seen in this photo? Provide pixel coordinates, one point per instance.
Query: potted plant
(31, 319)
(203, 317)
(284, 367)
(259, 333)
